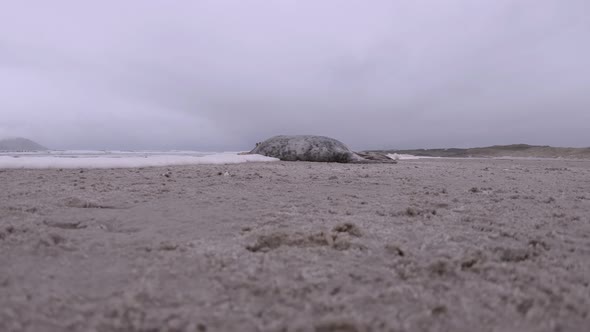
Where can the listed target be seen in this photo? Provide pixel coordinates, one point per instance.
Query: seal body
(306, 148)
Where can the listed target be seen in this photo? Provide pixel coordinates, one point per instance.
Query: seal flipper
(371, 158)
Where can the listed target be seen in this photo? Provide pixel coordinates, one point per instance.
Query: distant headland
(20, 144)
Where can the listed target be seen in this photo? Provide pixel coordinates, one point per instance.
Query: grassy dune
(513, 150)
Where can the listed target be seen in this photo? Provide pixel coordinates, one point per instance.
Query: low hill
(20, 144)
(514, 150)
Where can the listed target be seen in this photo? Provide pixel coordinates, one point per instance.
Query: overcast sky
(222, 75)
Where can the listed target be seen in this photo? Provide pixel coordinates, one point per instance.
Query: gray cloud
(218, 75)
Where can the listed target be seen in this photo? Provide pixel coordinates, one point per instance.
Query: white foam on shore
(122, 160)
(398, 156)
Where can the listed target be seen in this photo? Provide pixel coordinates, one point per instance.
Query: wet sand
(422, 245)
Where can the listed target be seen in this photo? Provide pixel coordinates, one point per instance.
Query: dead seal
(311, 148)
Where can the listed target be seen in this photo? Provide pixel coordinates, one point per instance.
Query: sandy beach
(422, 245)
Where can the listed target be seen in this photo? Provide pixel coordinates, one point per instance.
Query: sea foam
(121, 159)
(398, 156)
